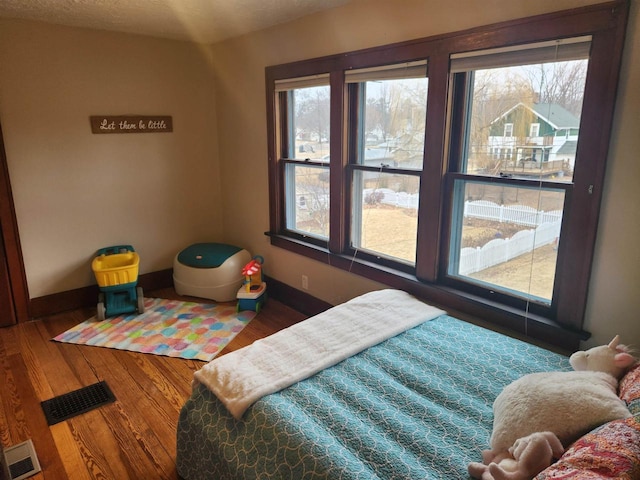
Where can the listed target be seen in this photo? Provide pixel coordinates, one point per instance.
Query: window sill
(459, 303)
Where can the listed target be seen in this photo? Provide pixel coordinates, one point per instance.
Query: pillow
(630, 389)
(568, 404)
(610, 451)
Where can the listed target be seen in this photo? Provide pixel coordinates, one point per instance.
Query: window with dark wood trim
(389, 162)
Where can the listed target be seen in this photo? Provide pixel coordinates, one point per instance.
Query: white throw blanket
(242, 377)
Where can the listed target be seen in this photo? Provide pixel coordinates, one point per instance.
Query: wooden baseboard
(296, 299)
(87, 296)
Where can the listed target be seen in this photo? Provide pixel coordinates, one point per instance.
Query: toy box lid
(207, 255)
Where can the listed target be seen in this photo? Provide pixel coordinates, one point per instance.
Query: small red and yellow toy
(253, 292)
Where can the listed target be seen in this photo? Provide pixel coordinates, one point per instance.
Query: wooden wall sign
(131, 124)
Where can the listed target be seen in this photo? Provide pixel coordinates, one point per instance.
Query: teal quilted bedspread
(417, 406)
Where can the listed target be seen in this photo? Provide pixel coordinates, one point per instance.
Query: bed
(417, 405)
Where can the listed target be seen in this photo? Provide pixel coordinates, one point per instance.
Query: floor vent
(20, 461)
(79, 401)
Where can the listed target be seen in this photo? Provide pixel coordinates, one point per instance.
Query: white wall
(74, 191)
(614, 301)
(239, 69)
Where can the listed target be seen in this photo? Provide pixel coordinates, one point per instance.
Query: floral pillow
(629, 389)
(611, 450)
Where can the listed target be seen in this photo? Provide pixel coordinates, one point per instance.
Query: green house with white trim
(535, 134)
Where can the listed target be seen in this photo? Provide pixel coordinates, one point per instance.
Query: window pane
(525, 120)
(394, 122)
(384, 219)
(307, 199)
(506, 237)
(310, 123)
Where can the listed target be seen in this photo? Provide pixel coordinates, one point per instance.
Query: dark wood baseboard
(87, 296)
(294, 298)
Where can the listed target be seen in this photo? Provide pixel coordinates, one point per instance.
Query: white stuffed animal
(568, 404)
(613, 359)
(525, 459)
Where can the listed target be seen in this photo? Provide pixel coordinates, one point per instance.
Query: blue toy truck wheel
(140, 299)
(101, 311)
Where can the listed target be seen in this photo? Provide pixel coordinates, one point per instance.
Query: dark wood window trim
(562, 324)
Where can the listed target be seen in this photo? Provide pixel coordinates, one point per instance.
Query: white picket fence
(500, 250)
(545, 231)
(390, 197)
(518, 214)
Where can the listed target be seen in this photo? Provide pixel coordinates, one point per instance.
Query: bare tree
(561, 83)
(312, 112)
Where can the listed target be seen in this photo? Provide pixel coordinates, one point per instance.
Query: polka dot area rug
(172, 328)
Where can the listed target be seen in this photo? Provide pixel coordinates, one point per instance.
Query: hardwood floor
(132, 438)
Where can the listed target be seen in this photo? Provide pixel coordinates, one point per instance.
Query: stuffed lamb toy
(568, 404)
(526, 458)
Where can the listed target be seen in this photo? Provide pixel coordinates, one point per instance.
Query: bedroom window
(465, 168)
(305, 154)
(506, 219)
(386, 150)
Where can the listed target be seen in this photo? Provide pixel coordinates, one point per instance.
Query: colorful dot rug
(167, 327)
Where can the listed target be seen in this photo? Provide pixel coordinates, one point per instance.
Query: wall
(75, 192)
(239, 74)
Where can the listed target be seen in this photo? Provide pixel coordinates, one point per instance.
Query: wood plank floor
(132, 438)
